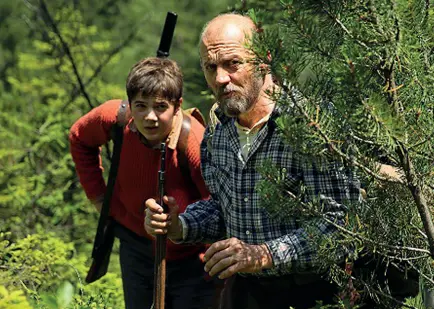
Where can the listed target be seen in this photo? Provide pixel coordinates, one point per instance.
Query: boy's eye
(140, 105)
(161, 107)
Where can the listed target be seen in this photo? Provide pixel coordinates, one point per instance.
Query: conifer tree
(357, 80)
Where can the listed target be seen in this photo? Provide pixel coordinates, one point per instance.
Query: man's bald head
(228, 24)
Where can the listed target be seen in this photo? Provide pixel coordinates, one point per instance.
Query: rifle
(104, 237)
(160, 245)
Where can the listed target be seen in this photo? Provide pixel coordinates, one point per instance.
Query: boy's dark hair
(155, 77)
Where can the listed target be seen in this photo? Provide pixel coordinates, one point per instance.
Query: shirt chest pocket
(219, 179)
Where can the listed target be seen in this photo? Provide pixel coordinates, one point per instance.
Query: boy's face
(153, 117)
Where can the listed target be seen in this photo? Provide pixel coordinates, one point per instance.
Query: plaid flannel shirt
(234, 208)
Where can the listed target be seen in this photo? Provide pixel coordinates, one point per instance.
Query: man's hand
(230, 256)
(159, 223)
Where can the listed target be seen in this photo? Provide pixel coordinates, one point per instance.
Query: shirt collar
(270, 118)
(257, 126)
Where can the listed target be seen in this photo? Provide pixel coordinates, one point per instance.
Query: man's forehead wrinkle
(217, 53)
(222, 46)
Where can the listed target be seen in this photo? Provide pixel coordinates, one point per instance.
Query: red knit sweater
(137, 178)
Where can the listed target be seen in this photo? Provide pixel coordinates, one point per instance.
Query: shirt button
(246, 199)
(247, 232)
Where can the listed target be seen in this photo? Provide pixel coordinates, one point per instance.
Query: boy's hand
(159, 223)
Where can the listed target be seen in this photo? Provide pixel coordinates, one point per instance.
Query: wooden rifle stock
(160, 246)
(160, 250)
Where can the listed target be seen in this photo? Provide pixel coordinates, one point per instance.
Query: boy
(154, 90)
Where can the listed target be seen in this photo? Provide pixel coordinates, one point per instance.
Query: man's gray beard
(238, 103)
(234, 106)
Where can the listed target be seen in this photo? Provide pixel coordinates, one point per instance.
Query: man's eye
(235, 62)
(210, 67)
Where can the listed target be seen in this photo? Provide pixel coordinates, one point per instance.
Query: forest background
(59, 59)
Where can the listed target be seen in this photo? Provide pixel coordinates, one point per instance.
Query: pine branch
(98, 70)
(415, 189)
(376, 243)
(345, 29)
(381, 293)
(66, 49)
(326, 54)
(410, 148)
(354, 234)
(419, 230)
(418, 195)
(332, 146)
(421, 273)
(405, 259)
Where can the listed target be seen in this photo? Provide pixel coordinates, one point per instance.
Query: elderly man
(269, 262)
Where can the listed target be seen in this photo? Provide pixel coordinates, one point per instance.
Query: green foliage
(359, 90)
(48, 221)
(49, 270)
(13, 299)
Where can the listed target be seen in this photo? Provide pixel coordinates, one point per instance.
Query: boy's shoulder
(195, 115)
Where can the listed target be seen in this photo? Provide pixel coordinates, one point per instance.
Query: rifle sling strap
(117, 133)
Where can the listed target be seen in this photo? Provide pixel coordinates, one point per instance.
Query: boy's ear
(178, 104)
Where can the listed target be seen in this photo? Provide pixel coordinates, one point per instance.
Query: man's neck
(263, 107)
(252, 117)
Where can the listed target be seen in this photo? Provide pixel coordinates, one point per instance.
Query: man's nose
(222, 76)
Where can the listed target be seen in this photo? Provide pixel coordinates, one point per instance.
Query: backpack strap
(182, 150)
(124, 114)
(122, 117)
(117, 133)
(195, 112)
(183, 144)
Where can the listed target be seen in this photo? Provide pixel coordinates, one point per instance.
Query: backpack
(104, 237)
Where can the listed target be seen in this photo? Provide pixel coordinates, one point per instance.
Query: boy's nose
(151, 116)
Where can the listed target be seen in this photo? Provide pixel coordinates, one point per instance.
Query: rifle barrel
(167, 35)
(160, 246)
(160, 252)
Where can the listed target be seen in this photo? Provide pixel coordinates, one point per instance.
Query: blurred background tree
(59, 59)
